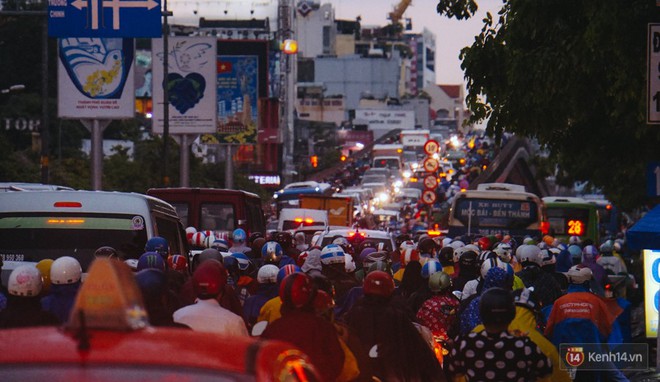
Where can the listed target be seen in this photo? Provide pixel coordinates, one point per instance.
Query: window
(217, 217)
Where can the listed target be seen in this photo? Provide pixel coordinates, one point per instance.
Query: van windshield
(34, 237)
(387, 162)
(217, 217)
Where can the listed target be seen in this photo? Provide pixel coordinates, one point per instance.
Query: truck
(339, 208)
(414, 139)
(387, 155)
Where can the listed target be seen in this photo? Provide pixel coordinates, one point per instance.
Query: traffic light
(314, 160)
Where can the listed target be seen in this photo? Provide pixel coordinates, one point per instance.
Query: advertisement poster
(95, 78)
(651, 291)
(190, 84)
(238, 80)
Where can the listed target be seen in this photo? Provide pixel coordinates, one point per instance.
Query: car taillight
(67, 205)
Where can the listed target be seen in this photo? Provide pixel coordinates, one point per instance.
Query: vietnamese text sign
(104, 18)
(95, 78)
(191, 82)
(238, 81)
(387, 119)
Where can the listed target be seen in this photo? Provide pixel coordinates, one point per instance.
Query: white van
(37, 225)
(302, 218)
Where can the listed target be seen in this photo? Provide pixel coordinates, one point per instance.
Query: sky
(450, 35)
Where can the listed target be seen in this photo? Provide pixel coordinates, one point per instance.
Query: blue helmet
(151, 260)
(157, 244)
(430, 267)
(287, 270)
(239, 235)
(271, 252)
(221, 245)
(244, 262)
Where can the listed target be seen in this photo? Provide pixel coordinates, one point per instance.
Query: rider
(65, 276)
(23, 308)
(239, 238)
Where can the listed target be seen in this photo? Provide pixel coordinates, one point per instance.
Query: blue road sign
(653, 179)
(104, 18)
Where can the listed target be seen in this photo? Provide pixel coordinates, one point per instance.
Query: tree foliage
(571, 74)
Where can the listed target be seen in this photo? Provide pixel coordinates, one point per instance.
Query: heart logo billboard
(185, 92)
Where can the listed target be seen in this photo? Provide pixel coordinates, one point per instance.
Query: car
(115, 342)
(358, 237)
(379, 178)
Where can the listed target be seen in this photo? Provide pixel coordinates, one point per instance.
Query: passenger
(469, 316)
(206, 315)
(242, 272)
(439, 312)
(300, 326)
(271, 310)
(424, 292)
(545, 285)
(151, 260)
(334, 268)
(266, 290)
(288, 245)
(397, 350)
(312, 265)
(446, 257)
(273, 253)
(159, 245)
(599, 279)
(549, 265)
(357, 292)
(23, 306)
(238, 238)
(494, 354)
(65, 276)
(467, 268)
(153, 286)
(299, 237)
(409, 253)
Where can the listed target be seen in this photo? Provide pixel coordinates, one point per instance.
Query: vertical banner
(651, 260)
(190, 82)
(95, 78)
(238, 86)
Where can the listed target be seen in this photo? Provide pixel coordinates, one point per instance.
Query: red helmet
(297, 291)
(209, 279)
(177, 263)
(379, 283)
(484, 243)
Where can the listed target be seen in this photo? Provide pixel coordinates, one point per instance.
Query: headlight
(407, 174)
(398, 184)
(435, 156)
(415, 165)
(383, 197)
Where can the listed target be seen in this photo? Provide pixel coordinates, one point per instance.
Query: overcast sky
(450, 35)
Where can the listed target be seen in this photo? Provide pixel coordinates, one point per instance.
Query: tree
(571, 74)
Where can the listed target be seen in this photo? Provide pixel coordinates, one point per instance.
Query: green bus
(571, 216)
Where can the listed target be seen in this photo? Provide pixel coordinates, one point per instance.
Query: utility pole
(166, 95)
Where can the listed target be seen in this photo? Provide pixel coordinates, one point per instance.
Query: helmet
(467, 259)
(254, 236)
(548, 257)
(408, 244)
(439, 281)
(209, 240)
(220, 244)
(497, 306)
(286, 270)
(549, 240)
(150, 260)
(271, 252)
(209, 279)
(525, 297)
(576, 253)
(159, 245)
(267, 274)
(574, 240)
(430, 267)
(131, 264)
(365, 252)
(341, 241)
(378, 283)
(209, 253)
(446, 255)
(373, 257)
(66, 270)
(106, 251)
(285, 239)
(427, 245)
(457, 244)
(617, 246)
(189, 233)
(245, 265)
(493, 262)
(379, 265)
(484, 243)
(239, 236)
(408, 255)
(485, 255)
(446, 242)
(589, 252)
(579, 274)
(529, 241)
(177, 263)
(197, 239)
(152, 283)
(504, 251)
(349, 264)
(297, 291)
(44, 267)
(529, 253)
(332, 254)
(25, 280)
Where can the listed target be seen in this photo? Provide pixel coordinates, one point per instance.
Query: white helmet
(457, 244)
(574, 240)
(548, 257)
(25, 280)
(529, 253)
(446, 241)
(579, 274)
(267, 274)
(332, 254)
(349, 263)
(504, 252)
(492, 262)
(209, 240)
(65, 270)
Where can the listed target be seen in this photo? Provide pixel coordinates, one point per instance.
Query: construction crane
(396, 15)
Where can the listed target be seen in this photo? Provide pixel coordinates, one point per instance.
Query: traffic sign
(653, 86)
(430, 181)
(104, 18)
(431, 165)
(428, 197)
(653, 179)
(431, 147)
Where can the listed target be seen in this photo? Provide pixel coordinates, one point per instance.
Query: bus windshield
(496, 213)
(35, 237)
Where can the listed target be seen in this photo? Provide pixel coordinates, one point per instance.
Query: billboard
(191, 84)
(237, 98)
(95, 78)
(651, 260)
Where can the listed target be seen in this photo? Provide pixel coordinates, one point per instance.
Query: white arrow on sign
(116, 6)
(657, 180)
